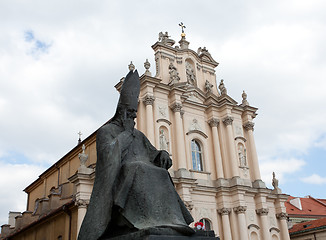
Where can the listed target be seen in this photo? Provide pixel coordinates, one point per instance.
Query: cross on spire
(79, 139)
(182, 29)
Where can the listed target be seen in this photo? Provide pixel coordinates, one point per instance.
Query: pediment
(205, 56)
(194, 94)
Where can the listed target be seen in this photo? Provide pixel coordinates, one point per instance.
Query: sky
(60, 60)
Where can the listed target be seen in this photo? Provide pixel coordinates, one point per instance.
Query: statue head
(128, 101)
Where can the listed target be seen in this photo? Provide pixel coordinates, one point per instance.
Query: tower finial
(182, 29)
(79, 139)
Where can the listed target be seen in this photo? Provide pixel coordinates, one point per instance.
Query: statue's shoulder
(139, 133)
(107, 129)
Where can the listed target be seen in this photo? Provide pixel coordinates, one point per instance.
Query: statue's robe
(130, 180)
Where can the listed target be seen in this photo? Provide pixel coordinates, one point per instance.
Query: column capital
(249, 125)
(214, 122)
(176, 107)
(228, 120)
(262, 211)
(224, 211)
(81, 202)
(148, 100)
(282, 215)
(240, 209)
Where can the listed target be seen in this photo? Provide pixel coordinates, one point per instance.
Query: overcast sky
(59, 61)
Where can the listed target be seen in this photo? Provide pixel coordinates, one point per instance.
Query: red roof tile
(310, 207)
(308, 226)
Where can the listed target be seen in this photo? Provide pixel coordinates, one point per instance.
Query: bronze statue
(133, 190)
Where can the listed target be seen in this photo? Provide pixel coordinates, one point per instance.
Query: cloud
(314, 179)
(11, 188)
(282, 167)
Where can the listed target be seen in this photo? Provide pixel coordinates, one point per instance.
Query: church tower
(211, 142)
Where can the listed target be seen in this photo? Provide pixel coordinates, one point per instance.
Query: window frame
(198, 151)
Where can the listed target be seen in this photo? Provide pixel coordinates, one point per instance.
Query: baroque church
(209, 137)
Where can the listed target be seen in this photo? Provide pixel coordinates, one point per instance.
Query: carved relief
(238, 130)
(162, 111)
(194, 125)
(251, 216)
(194, 97)
(272, 221)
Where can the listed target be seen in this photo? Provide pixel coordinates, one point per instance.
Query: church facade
(210, 139)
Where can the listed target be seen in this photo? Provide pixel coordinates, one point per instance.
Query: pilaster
(214, 123)
(148, 100)
(180, 144)
(282, 218)
(228, 120)
(83, 180)
(240, 211)
(254, 168)
(225, 222)
(263, 212)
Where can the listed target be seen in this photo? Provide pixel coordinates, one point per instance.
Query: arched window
(206, 223)
(196, 155)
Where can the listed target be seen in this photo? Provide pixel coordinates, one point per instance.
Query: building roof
(310, 207)
(308, 226)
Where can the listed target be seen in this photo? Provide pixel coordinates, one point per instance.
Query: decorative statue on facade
(133, 191)
(174, 75)
(275, 185)
(222, 88)
(242, 156)
(208, 86)
(191, 77)
(164, 143)
(165, 39)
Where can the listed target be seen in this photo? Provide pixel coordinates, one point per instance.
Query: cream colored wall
(67, 169)
(50, 229)
(38, 192)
